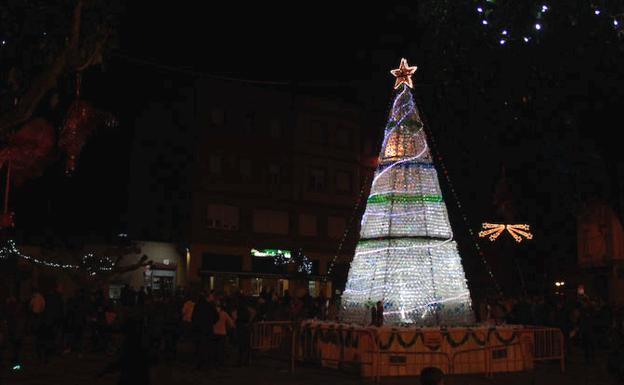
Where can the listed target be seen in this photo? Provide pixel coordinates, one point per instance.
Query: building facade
(601, 253)
(267, 169)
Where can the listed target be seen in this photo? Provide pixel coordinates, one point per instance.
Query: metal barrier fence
(445, 359)
(342, 346)
(547, 344)
(276, 339)
(314, 344)
(488, 357)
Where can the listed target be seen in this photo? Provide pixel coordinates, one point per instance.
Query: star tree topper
(403, 74)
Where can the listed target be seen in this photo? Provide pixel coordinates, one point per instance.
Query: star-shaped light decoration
(403, 74)
(517, 231)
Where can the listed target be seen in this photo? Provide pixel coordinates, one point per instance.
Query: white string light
(486, 14)
(103, 263)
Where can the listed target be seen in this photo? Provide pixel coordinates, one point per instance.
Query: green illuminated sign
(270, 253)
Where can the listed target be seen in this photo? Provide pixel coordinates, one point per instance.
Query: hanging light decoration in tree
(88, 262)
(28, 150)
(78, 126)
(81, 120)
(487, 15)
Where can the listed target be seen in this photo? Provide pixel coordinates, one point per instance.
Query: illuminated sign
(270, 253)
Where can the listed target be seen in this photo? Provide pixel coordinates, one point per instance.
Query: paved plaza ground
(72, 369)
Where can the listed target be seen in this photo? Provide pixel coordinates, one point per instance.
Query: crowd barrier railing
(309, 349)
(380, 354)
(304, 343)
(488, 354)
(547, 344)
(275, 338)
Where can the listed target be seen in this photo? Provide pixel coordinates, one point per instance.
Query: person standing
(220, 333)
(204, 317)
(187, 317)
(244, 317)
(37, 308)
(431, 376)
(53, 318)
(373, 316)
(587, 333)
(171, 328)
(133, 362)
(15, 322)
(379, 314)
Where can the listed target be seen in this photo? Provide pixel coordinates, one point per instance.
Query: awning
(252, 274)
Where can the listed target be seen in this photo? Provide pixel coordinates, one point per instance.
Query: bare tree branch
(144, 261)
(46, 80)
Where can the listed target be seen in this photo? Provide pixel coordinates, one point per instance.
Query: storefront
(267, 269)
(160, 278)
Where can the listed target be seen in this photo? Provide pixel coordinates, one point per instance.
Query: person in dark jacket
(431, 376)
(133, 361)
(171, 327)
(15, 322)
(204, 317)
(586, 331)
(243, 321)
(53, 319)
(379, 314)
(373, 316)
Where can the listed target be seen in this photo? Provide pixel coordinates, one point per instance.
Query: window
(307, 225)
(217, 117)
(245, 169)
(344, 182)
(221, 262)
(343, 137)
(317, 132)
(312, 288)
(256, 286)
(274, 174)
(215, 164)
(282, 286)
(316, 180)
(335, 227)
(275, 128)
(267, 266)
(270, 222)
(248, 122)
(222, 217)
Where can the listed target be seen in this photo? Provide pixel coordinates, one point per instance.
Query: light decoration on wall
(491, 229)
(517, 231)
(409, 262)
(90, 263)
(271, 253)
(302, 262)
(285, 257)
(486, 10)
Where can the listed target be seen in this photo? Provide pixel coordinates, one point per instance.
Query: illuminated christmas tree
(406, 256)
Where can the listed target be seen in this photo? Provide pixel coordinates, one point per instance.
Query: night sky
(544, 110)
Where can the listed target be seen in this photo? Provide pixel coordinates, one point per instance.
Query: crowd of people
(589, 324)
(141, 328)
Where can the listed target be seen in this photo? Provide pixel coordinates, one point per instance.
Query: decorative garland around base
(471, 333)
(346, 337)
(333, 335)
